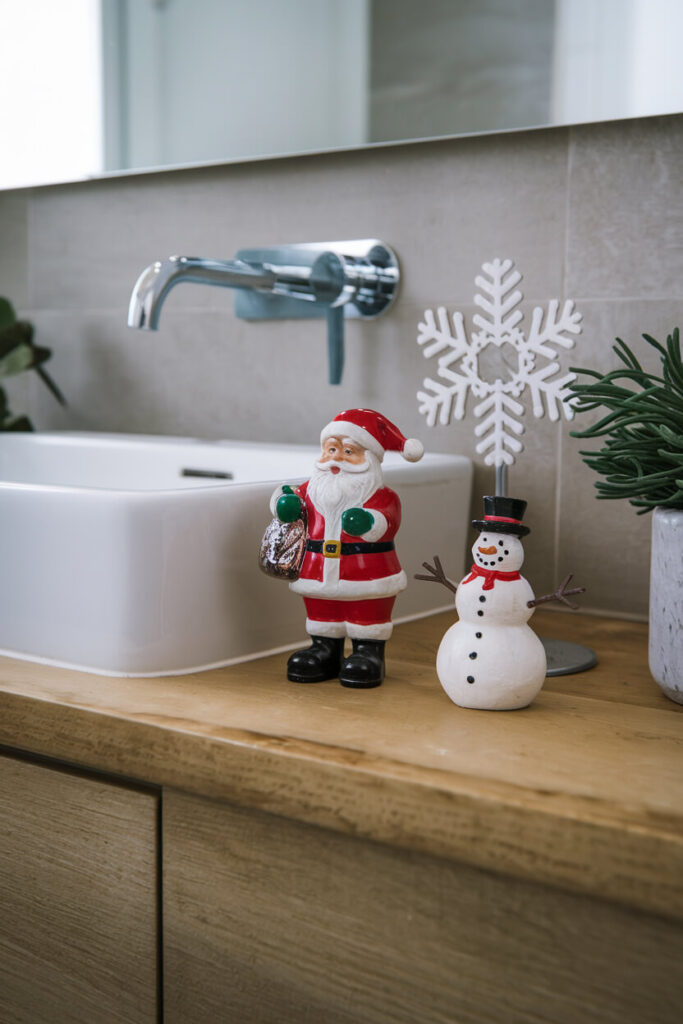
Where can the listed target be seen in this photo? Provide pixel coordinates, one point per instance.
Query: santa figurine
(350, 574)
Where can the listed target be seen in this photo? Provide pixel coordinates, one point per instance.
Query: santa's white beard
(332, 493)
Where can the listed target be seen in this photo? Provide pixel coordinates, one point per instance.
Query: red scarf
(490, 576)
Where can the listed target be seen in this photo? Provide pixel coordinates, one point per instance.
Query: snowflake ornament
(498, 349)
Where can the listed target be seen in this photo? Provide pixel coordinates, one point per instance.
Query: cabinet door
(78, 898)
(269, 921)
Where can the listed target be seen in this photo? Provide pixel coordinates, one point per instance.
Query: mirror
(91, 87)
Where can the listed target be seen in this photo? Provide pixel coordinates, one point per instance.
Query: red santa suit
(349, 583)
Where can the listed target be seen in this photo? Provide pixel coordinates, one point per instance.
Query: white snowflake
(461, 358)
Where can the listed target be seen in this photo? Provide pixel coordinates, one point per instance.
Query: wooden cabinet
(78, 898)
(330, 856)
(276, 922)
(271, 921)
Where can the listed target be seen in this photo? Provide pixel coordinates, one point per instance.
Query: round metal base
(564, 657)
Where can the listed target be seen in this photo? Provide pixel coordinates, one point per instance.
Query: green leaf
(17, 334)
(17, 360)
(642, 426)
(40, 355)
(7, 314)
(626, 355)
(20, 424)
(655, 344)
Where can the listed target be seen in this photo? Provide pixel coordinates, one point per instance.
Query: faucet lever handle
(335, 343)
(329, 282)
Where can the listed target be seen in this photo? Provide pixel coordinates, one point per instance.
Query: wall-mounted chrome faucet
(335, 280)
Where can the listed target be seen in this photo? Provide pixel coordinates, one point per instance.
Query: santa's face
(502, 551)
(340, 452)
(345, 476)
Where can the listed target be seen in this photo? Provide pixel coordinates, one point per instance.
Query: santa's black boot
(318, 662)
(365, 667)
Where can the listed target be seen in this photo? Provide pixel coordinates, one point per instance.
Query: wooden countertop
(584, 789)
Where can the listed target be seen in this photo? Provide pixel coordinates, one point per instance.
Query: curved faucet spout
(337, 280)
(156, 281)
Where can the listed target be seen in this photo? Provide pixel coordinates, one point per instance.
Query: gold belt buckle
(332, 548)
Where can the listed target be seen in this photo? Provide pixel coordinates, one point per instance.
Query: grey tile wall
(591, 213)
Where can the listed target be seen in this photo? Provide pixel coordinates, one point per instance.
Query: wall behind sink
(592, 213)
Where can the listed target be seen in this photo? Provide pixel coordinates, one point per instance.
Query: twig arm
(436, 574)
(560, 594)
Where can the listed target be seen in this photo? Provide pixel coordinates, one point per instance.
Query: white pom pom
(413, 450)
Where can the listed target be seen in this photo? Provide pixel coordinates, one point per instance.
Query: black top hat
(502, 515)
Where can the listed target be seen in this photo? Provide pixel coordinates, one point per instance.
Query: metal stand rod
(562, 657)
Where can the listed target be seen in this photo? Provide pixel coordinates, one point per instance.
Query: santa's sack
(283, 548)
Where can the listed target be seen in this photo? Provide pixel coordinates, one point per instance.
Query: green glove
(288, 507)
(357, 521)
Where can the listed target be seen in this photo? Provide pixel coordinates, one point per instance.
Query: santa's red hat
(374, 432)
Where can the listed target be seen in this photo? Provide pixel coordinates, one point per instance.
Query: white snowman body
(490, 658)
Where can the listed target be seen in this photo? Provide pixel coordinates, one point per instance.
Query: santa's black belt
(335, 548)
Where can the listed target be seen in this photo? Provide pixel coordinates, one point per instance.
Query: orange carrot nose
(487, 551)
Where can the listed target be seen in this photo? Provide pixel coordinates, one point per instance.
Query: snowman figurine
(490, 658)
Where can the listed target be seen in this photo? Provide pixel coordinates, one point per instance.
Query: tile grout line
(561, 421)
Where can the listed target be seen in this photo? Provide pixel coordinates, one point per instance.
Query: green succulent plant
(17, 354)
(642, 458)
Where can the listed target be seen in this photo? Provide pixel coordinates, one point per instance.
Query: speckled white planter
(666, 602)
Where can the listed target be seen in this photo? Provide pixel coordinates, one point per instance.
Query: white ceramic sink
(118, 559)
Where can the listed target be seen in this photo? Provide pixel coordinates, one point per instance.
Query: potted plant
(642, 460)
(19, 353)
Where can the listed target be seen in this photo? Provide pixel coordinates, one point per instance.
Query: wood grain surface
(274, 922)
(78, 884)
(583, 790)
